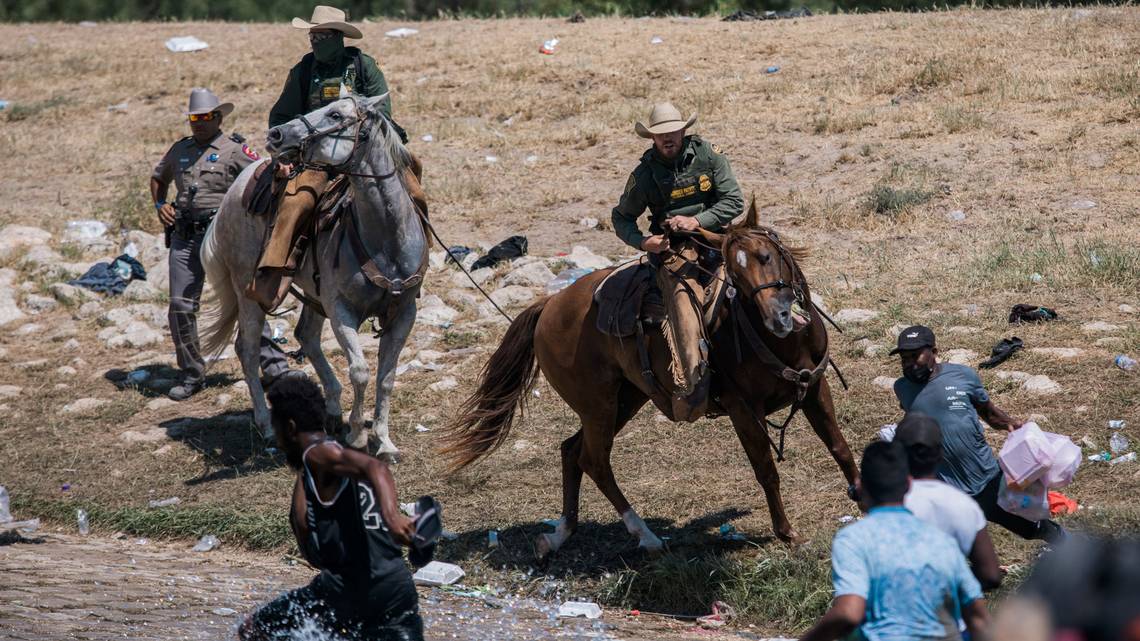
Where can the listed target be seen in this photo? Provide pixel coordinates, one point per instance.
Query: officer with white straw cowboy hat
(687, 184)
(202, 166)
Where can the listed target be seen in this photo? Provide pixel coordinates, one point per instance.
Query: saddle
(263, 192)
(629, 295)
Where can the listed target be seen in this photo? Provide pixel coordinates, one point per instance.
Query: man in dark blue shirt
(953, 396)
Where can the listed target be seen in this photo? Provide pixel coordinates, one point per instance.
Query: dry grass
(1009, 116)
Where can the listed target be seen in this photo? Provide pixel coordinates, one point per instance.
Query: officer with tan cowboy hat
(202, 166)
(687, 184)
(314, 82)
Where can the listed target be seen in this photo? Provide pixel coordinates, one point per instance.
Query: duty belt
(193, 222)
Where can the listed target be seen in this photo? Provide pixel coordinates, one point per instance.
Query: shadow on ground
(156, 380)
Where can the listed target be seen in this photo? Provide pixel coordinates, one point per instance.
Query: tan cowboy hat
(203, 101)
(328, 18)
(664, 118)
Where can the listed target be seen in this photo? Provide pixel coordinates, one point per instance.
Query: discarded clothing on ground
(1023, 313)
(1001, 352)
(745, 15)
(1061, 504)
(111, 278)
(456, 254)
(513, 247)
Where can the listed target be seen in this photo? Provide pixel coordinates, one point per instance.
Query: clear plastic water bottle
(1116, 424)
(5, 515)
(1131, 456)
(1125, 362)
(1103, 456)
(84, 524)
(1118, 443)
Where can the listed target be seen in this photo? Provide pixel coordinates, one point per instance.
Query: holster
(190, 224)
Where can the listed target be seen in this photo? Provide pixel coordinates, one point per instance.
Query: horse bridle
(360, 135)
(780, 283)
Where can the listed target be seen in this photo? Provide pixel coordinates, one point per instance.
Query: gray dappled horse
(350, 136)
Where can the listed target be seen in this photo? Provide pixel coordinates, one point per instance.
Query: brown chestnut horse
(765, 356)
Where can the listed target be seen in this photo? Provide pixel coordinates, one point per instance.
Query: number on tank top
(368, 511)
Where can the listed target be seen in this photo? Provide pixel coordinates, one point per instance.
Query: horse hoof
(791, 537)
(357, 439)
(544, 547)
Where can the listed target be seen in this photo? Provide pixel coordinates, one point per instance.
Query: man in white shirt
(942, 505)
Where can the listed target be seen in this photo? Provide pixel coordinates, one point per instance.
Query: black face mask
(917, 373)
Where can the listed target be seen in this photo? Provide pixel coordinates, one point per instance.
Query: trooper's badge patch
(706, 184)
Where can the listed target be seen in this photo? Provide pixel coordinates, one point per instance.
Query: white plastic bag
(1026, 455)
(1029, 502)
(1066, 460)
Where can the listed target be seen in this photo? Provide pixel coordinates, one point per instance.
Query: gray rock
(512, 295)
(581, 256)
(870, 348)
(29, 329)
(10, 312)
(148, 435)
(10, 391)
(159, 276)
(240, 387)
(959, 356)
(90, 309)
(66, 370)
(72, 345)
(1058, 352)
(135, 334)
(141, 291)
(160, 403)
(83, 406)
(855, 316)
(1013, 375)
(884, 382)
(1041, 385)
(433, 311)
(41, 260)
(819, 302)
(15, 238)
(1100, 326)
(1126, 309)
(152, 250)
(535, 274)
(480, 276)
(70, 294)
(223, 399)
(444, 385)
(464, 298)
(37, 304)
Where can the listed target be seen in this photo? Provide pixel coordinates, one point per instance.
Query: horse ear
(376, 103)
(752, 218)
(344, 92)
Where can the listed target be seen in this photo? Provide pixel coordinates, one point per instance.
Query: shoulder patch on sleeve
(716, 148)
(251, 154)
(236, 137)
(629, 185)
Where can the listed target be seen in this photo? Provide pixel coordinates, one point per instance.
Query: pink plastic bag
(1066, 460)
(1026, 455)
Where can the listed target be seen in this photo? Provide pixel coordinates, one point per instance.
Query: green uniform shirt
(210, 169)
(697, 183)
(324, 85)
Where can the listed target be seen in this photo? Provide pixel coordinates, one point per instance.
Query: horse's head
(330, 136)
(764, 272)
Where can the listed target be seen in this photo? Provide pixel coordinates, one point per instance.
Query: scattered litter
(887, 432)
(438, 573)
(728, 532)
(1116, 424)
(66, 487)
(491, 159)
(531, 159)
(956, 216)
(1023, 313)
(1103, 456)
(81, 230)
(111, 278)
(1125, 362)
(83, 522)
(224, 612)
(1118, 443)
(1061, 504)
(846, 518)
(120, 107)
(772, 69)
(142, 541)
(588, 222)
(25, 527)
(402, 32)
(1131, 456)
(1031, 455)
(493, 538)
(1001, 352)
(5, 514)
(656, 40)
(536, 393)
(448, 535)
(1082, 204)
(185, 44)
(745, 15)
(420, 427)
(206, 543)
(548, 47)
(456, 254)
(551, 522)
(722, 613)
(1029, 502)
(278, 335)
(409, 509)
(174, 500)
(586, 609)
(4, 104)
(566, 278)
(509, 249)
(1035, 277)
(427, 138)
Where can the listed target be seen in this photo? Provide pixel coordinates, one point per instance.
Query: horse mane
(760, 233)
(399, 154)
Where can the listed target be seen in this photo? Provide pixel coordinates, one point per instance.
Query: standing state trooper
(314, 82)
(202, 167)
(686, 183)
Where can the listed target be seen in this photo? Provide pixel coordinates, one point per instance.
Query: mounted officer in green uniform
(314, 82)
(687, 184)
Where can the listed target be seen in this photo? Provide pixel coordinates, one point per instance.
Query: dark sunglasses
(205, 117)
(320, 36)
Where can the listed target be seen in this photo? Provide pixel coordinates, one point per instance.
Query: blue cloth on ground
(107, 278)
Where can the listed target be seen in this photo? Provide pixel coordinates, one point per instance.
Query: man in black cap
(348, 525)
(943, 505)
(953, 396)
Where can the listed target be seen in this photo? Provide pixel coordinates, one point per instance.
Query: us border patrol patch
(716, 148)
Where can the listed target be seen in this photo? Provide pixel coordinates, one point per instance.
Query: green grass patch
(456, 339)
(22, 111)
(892, 201)
(1097, 263)
(935, 73)
(779, 587)
(253, 530)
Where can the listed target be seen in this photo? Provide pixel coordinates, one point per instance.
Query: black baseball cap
(914, 337)
(919, 429)
(429, 529)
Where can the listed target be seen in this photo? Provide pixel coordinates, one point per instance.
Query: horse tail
(220, 312)
(486, 417)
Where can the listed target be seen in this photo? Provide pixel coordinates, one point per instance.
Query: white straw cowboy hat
(328, 18)
(203, 101)
(663, 119)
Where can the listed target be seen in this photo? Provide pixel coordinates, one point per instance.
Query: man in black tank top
(348, 525)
